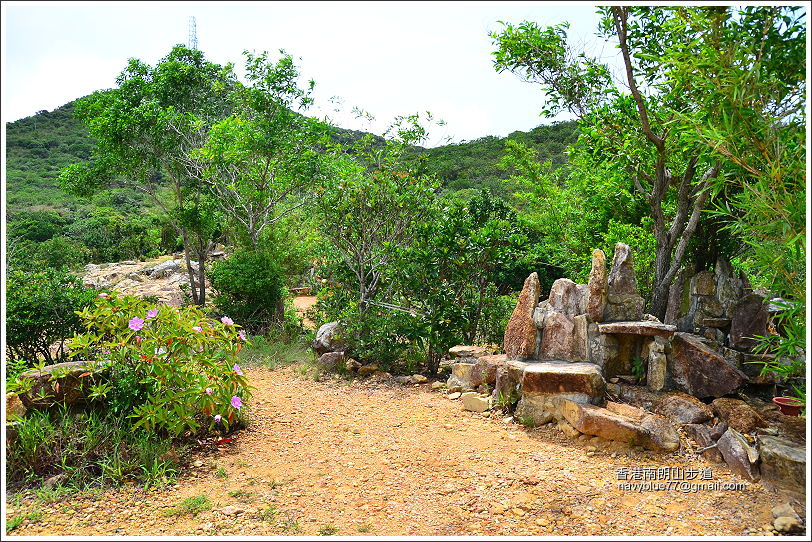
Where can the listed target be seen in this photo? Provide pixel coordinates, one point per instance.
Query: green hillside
(120, 223)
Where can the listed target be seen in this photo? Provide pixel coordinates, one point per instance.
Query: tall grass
(89, 449)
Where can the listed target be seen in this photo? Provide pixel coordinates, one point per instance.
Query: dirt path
(302, 304)
(382, 459)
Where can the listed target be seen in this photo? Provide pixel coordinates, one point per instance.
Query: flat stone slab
(564, 377)
(466, 351)
(649, 329)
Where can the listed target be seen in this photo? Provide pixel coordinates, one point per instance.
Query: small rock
(542, 522)
(198, 463)
(455, 395)
(786, 524)
(498, 509)
(518, 512)
(367, 370)
(232, 510)
(418, 379)
(784, 510)
(436, 385)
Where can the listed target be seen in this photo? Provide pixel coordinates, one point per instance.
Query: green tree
(751, 73)
(146, 131)
(633, 132)
(259, 160)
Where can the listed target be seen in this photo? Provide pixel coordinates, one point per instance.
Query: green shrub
(40, 309)
(248, 287)
(172, 369)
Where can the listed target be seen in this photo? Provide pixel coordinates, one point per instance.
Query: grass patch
(269, 514)
(221, 473)
(91, 449)
(31, 516)
(190, 506)
(272, 352)
(365, 528)
(327, 530)
(240, 494)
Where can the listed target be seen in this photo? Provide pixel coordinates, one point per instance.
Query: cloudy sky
(388, 58)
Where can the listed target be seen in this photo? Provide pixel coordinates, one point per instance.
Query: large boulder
(622, 280)
(737, 414)
(328, 339)
(739, 454)
(782, 460)
(520, 334)
(748, 319)
(682, 408)
(699, 370)
(461, 376)
(485, 368)
(639, 396)
(165, 269)
(563, 337)
(581, 382)
(332, 361)
(598, 287)
(508, 387)
(565, 297)
(651, 431)
(65, 383)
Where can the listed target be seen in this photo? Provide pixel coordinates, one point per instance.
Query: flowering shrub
(173, 369)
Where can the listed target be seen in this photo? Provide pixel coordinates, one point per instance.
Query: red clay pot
(789, 406)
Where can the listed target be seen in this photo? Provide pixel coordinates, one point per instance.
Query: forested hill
(38, 147)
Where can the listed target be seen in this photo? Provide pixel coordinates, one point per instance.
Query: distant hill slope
(38, 147)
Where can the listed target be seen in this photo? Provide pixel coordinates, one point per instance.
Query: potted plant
(789, 406)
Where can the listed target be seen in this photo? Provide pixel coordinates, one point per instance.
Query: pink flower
(237, 369)
(102, 295)
(136, 324)
(217, 418)
(241, 335)
(197, 328)
(227, 321)
(236, 402)
(152, 314)
(209, 391)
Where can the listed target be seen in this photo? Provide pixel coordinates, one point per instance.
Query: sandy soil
(382, 459)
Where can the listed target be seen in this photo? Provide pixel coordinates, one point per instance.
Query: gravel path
(382, 459)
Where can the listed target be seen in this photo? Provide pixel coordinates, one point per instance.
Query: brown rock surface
(520, 334)
(577, 379)
(701, 371)
(622, 280)
(737, 414)
(748, 319)
(682, 408)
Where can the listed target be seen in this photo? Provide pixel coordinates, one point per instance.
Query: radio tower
(192, 33)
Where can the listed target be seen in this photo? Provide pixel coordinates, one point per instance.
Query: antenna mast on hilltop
(192, 33)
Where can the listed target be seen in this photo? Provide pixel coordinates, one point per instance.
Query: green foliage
(261, 158)
(639, 368)
(172, 369)
(327, 530)
(40, 309)
(191, 506)
(248, 287)
(89, 448)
